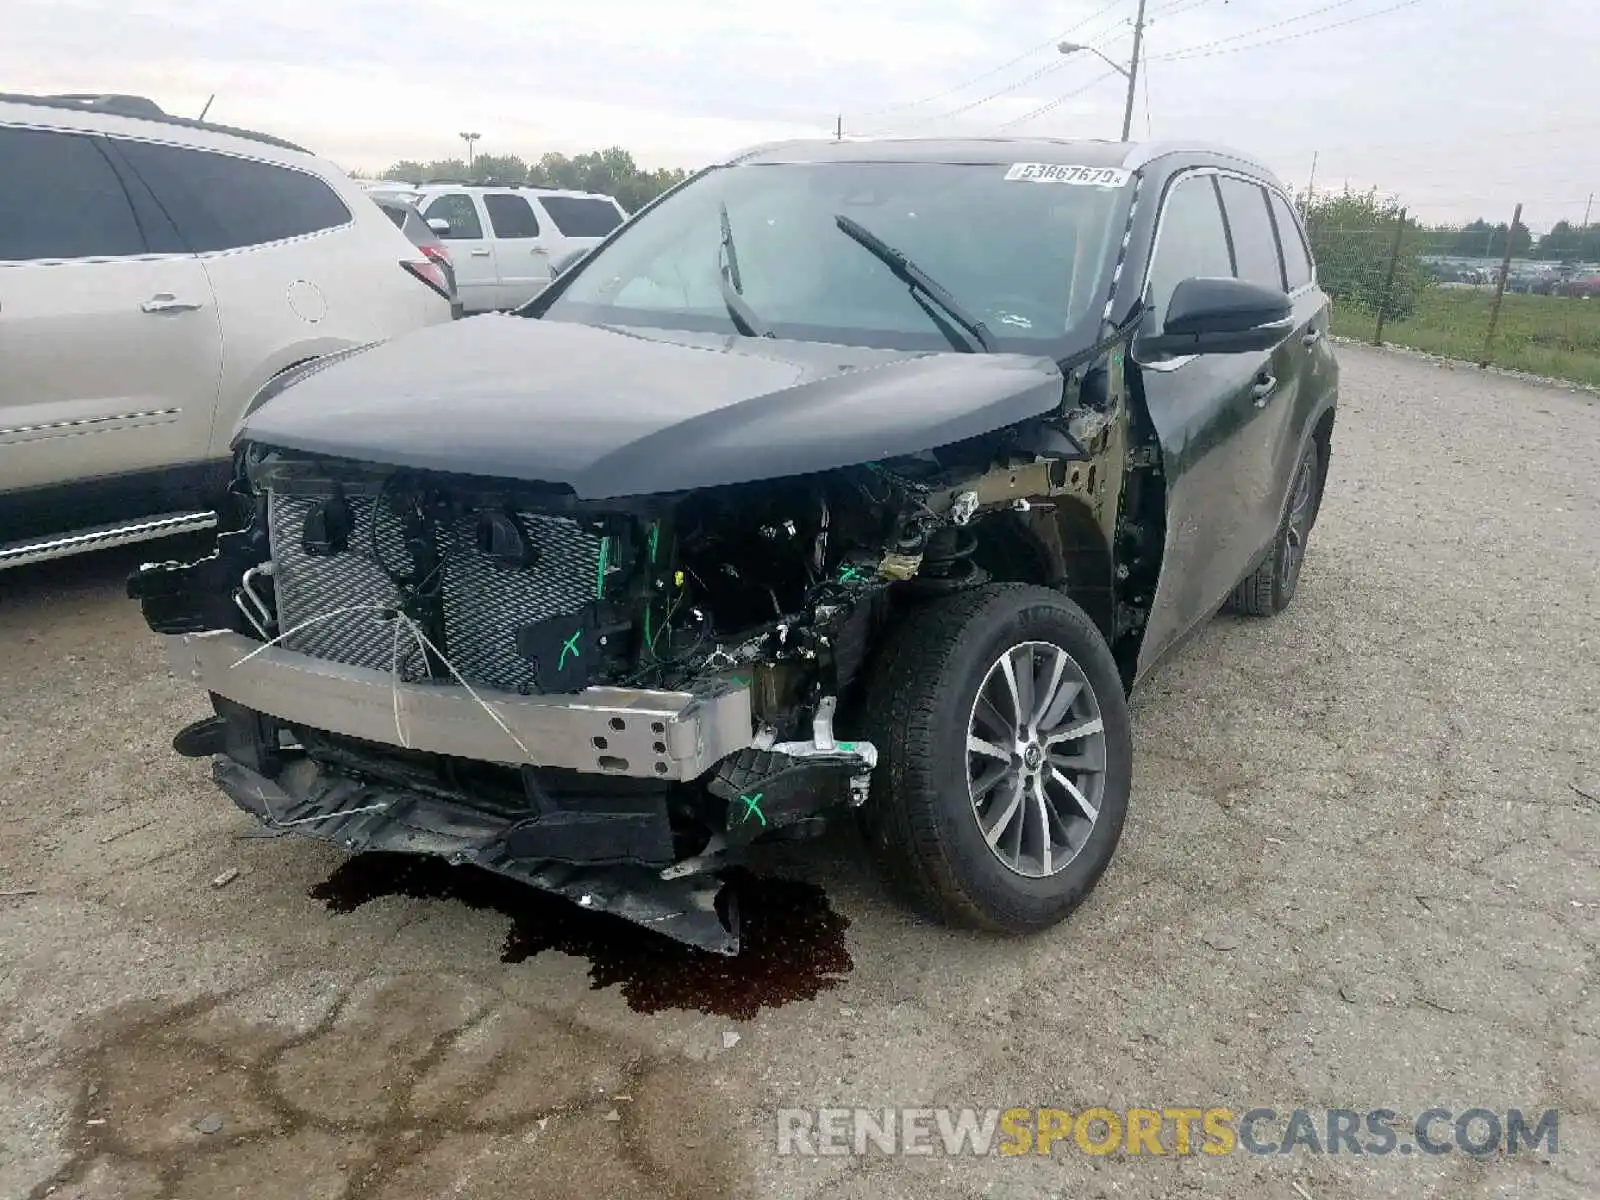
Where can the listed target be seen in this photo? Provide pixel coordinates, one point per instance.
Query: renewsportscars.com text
(1176, 1130)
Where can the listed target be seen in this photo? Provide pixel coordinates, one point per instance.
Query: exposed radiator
(485, 602)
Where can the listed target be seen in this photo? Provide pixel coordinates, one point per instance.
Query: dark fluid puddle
(792, 939)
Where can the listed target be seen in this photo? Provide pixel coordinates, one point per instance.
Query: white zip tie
(424, 643)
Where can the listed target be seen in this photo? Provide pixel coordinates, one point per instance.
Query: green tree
(498, 168)
(1480, 239)
(1353, 237)
(407, 170)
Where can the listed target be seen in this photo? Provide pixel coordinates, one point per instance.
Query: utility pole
(1311, 181)
(838, 128)
(1133, 70)
(469, 139)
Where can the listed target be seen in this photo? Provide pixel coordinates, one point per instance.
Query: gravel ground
(1362, 869)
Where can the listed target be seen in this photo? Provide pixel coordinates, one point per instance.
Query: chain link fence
(1395, 282)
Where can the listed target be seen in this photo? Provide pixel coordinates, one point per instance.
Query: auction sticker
(1061, 173)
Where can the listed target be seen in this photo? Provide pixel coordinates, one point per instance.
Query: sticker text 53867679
(1063, 173)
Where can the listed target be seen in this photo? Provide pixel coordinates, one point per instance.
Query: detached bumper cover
(358, 815)
(668, 736)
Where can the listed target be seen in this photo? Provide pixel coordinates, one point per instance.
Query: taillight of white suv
(432, 270)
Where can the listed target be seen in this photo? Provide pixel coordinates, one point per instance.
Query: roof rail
(142, 108)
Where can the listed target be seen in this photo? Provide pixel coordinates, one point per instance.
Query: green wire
(600, 573)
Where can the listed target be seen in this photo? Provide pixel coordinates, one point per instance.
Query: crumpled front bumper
(360, 815)
(630, 732)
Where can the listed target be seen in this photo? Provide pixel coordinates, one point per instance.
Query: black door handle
(1261, 390)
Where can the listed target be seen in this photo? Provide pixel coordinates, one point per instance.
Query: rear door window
(1255, 248)
(511, 216)
(60, 198)
(1296, 258)
(222, 202)
(1191, 241)
(458, 209)
(581, 216)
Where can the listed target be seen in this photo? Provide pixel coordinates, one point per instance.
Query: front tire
(1267, 590)
(1007, 758)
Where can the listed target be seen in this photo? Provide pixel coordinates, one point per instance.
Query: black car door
(1217, 418)
(1316, 372)
(1283, 392)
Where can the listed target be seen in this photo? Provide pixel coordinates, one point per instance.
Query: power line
(995, 95)
(1058, 101)
(1295, 20)
(1173, 8)
(1005, 66)
(1199, 52)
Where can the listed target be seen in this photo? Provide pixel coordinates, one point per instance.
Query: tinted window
(396, 215)
(219, 202)
(59, 198)
(458, 209)
(1255, 249)
(1192, 241)
(511, 216)
(1296, 259)
(576, 216)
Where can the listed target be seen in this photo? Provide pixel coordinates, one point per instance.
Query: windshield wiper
(732, 284)
(919, 281)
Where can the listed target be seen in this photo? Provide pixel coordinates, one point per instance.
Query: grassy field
(1544, 335)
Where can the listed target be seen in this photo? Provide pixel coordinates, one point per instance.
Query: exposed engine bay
(608, 699)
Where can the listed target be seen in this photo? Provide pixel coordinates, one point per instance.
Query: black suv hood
(621, 412)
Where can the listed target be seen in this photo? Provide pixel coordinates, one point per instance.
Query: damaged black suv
(845, 476)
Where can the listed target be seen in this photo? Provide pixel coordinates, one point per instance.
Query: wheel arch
(1322, 435)
(1063, 547)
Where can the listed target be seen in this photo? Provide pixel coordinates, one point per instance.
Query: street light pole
(470, 138)
(1130, 72)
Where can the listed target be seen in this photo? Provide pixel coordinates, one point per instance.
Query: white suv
(157, 275)
(507, 242)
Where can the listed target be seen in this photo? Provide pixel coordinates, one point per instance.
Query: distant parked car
(1584, 287)
(159, 277)
(405, 217)
(509, 242)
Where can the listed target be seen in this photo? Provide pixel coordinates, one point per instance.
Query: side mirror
(1222, 316)
(439, 225)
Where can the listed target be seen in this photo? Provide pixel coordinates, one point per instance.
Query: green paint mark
(570, 646)
(849, 574)
(847, 747)
(655, 538)
(600, 572)
(752, 804)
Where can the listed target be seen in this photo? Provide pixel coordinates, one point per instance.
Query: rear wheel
(1268, 589)
(1007, 758)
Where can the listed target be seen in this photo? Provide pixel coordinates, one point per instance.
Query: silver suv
(157, 276)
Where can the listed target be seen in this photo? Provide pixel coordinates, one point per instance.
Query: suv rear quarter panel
(284, 302)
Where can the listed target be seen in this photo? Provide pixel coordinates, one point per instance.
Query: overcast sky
(1460, 107)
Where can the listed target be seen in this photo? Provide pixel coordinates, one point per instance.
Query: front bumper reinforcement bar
(666, 736)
